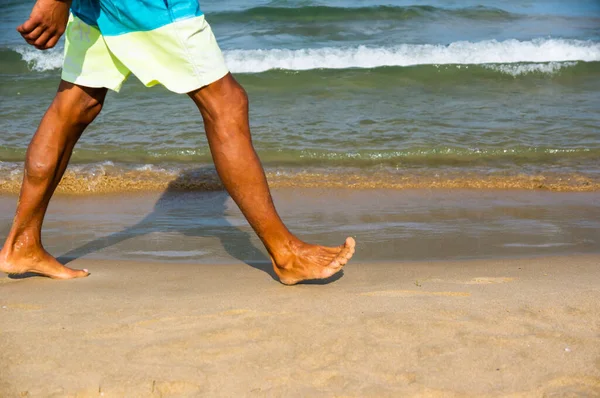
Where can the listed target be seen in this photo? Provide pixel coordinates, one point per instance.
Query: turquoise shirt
(117, 17)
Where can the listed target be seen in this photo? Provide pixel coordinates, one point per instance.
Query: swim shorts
(164, 42)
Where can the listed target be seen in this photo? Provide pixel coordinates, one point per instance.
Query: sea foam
(464, 53)
(40, 61)
(539, 51)
(524, 69)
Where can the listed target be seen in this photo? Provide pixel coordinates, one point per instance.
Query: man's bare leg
(224, 107)
(73, 108)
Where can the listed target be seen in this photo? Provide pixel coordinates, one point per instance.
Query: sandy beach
(456, 141)
(519, 328)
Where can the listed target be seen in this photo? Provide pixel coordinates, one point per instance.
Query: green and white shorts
(181, 53)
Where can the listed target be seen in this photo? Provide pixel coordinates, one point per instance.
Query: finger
(52, 42)
(27, 26)
(34, 34)
(41, 41)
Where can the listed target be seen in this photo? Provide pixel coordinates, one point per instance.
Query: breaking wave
(541, 55)
(461, 53)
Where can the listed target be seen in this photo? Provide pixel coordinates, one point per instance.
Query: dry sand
(518, 328)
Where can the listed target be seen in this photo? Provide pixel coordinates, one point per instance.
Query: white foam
(40, 61)
(540, 51)
(524, 69)
(541, 245)
(462, 53)
(146, 167)
(153, 168)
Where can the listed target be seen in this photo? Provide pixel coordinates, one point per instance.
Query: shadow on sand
(194, 204)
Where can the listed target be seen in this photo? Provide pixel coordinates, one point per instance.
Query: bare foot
(40, 263)
(312, 262)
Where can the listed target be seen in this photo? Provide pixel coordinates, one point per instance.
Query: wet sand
(390, 225)
(519, 328)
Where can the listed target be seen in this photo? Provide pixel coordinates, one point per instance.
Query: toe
(330, 271)
(334, 250)
(342, 260)
(350, 242)
(349, 254)
(70, 274)
(83, 273)
(346, 254)
(335, 264)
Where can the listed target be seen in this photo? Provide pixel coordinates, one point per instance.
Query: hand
(46, 24)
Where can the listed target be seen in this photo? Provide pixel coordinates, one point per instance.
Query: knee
(223, 101)
(235, 101)
(79, 109)
(86, 110)
(240, 98)
(39, 169)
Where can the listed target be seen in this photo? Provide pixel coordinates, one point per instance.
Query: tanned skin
(224, 108)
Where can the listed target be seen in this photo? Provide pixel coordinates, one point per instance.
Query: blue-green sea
(476, 94)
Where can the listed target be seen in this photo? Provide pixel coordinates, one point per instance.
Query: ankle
(22, 243)
(284, 252)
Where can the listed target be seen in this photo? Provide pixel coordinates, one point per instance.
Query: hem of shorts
(81, 81)
(200, 83)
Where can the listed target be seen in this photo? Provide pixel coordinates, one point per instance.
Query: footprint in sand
(413, 293)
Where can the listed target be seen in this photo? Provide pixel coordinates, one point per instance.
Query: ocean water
(359, 94)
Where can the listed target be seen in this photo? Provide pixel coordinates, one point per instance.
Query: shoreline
(388, 225)
(103, 179)
(519, 327)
